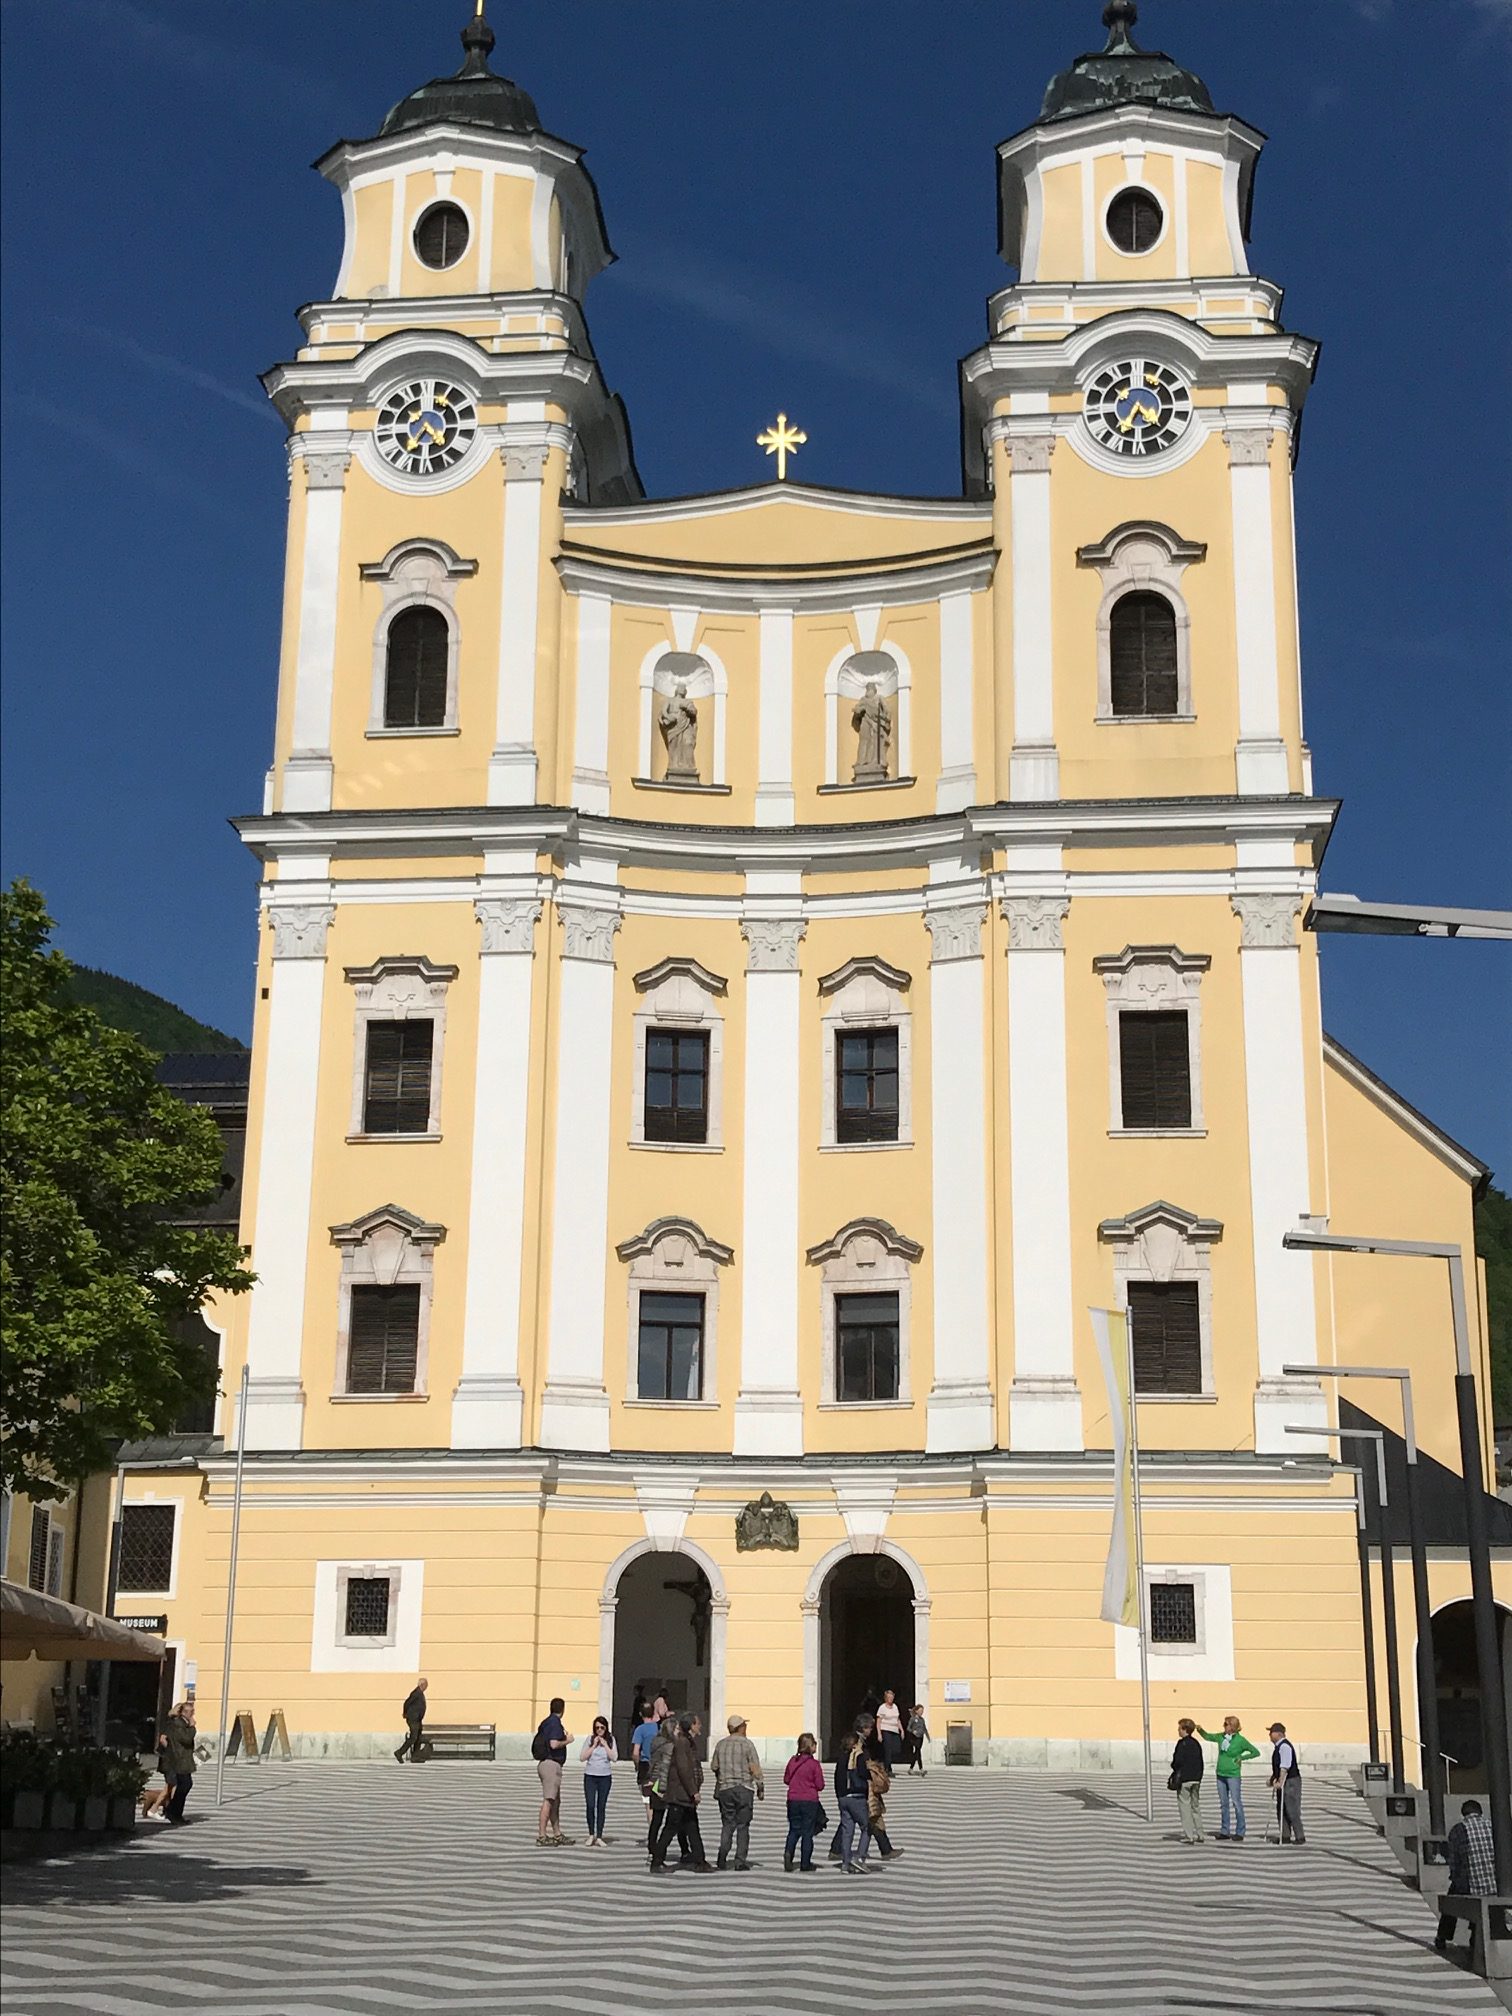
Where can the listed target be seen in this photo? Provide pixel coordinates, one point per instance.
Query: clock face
(426, 427)
(1137, 408)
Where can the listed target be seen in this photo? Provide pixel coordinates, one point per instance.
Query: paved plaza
(369, 1888)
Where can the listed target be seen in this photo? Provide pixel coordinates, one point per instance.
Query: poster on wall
(957, 1690)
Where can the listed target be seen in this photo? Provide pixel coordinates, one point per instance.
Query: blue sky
(802, 197)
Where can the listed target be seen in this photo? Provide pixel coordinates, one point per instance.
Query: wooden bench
(460, 1739)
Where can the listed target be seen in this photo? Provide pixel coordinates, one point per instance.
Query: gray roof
(1122, 74)
(474, 96)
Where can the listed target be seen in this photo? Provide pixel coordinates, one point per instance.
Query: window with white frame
(416, 639)
(677, 1086)
(399, 1034)
(866, 1073)
(866, 1273)
(1190, 1609)
(1154, 1012)
(1144, 642)
(366, 1617)
(1162, 1278)
(145, 1565)
(673, 1311)
(387, 1277)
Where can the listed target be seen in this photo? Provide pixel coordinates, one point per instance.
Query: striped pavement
(375, 1890)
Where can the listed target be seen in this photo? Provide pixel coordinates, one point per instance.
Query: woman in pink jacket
(804, 1778)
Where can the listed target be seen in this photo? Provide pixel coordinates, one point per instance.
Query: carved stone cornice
(1034, 922)
(955, 933)
(508, 922)
(299, 929)
(1266, 923)
(773, 942)
(589, 933)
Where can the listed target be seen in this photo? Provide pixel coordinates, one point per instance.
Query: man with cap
(1286, 1783)
(737, 1786)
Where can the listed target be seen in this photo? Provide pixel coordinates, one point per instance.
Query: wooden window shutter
(397, 1087)
(1142, 651)
(419, 645)
(383, 1339)
(1154, 1068)
(1167, 1336)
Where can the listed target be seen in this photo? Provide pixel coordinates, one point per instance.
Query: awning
(46, 1627)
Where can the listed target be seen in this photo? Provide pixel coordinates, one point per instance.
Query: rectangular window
(367, 1606)
(1173, 1613)
(866, 1085)
(146, 1548)
(396, 1092)
(866, 1347)
(1167, 1336)
(36, 1560)
(677, 1085)
(55, 1562)
(670, 1362)
(1154, 1068)
(383, 1339)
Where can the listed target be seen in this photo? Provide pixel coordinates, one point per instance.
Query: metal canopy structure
(1405, 920)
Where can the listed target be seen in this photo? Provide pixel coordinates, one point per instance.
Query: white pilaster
(575, 1404)
(308, 771)
(285, 1170)
(590, 761)
(960, 1413)
(774, 735)
(1044, 1403)
(1275, 1079)
(1034, 766)
(957, 782)
(512, 769)
(489, 1404)
(769, 1407)
(1260, 756)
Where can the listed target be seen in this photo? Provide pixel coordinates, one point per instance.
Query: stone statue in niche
(872, 720)
(766, 1523)
(679, 727)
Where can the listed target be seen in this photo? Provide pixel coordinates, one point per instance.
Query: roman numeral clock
(426, 427)
(1137, 408)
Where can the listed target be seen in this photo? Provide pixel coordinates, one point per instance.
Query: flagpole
(1139, 1583)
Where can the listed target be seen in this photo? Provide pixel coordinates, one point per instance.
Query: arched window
(414, 691)
(1142, 641)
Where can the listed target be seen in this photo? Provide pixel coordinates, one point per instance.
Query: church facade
(741, 976)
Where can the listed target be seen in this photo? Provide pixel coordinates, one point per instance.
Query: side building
(742, 975)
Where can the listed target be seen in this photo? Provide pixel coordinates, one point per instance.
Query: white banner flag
(1120, 1602)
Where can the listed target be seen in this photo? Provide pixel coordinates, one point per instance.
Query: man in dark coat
(413, 1712)
(684, 1784)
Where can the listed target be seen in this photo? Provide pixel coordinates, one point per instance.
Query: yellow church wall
(1157, 172)
(1060, 232)
(465, 188)
(1208, 247)
(782, 531)
(370, 236)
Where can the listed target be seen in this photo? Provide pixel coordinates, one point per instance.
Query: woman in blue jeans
(852, 1785)
(599, 1757)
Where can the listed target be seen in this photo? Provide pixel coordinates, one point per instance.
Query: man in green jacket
(1233, 1749)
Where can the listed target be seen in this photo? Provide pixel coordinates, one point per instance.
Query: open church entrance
(1459, 1701)
(662, 1622)
(866, 1643)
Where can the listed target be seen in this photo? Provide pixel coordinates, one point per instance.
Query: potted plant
(25, 1768)
(93, 1767)
(125, 1779)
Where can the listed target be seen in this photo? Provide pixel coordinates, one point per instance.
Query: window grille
(419, 648)
(1154, 1067)
(866, 1085)
(677, 1085)
(383, 1339)
(367, 1606)
(146, 1561)
(1167, 1336)
(866, 1347)
(36, 1560)
(397, 1083)
(1142, 654)
(1173, 1613)
(670, 1347)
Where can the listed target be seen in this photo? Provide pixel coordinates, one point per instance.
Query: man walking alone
(737, 1786)
(413, 1712)
(1286, 1783)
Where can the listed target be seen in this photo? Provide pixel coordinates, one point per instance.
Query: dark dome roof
(473, 97)
(1122, 74)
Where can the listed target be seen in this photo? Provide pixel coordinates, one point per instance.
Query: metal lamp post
(1427, 1680)
(1482, 1598)
(1388, 1595)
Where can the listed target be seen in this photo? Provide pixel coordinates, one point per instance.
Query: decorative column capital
(1029, 454)
(1034, 922)
(299, 929)
(773, 942)
(508, 922)
(524, 461)
(955, 933)
(1249, 447)
(1266, 922)
(326, 468)
(589, 932)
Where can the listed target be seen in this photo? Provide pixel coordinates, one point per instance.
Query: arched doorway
(1457, 1678)
(866, 1642)
(663, 1617)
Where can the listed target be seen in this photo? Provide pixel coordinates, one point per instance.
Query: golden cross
(781, 440)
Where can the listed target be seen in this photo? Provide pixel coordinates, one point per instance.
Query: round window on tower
(1135, 220)
(441, 235)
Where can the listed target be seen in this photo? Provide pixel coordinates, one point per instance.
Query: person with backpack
(413, 1712)
(1234, 1750)
(1186, 1780)
(1286, 1783)
(549, 1749)
(804, 1778)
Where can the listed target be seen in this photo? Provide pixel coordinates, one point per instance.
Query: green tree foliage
(161, 1026)
(95, 1160)
(1493, 1242)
